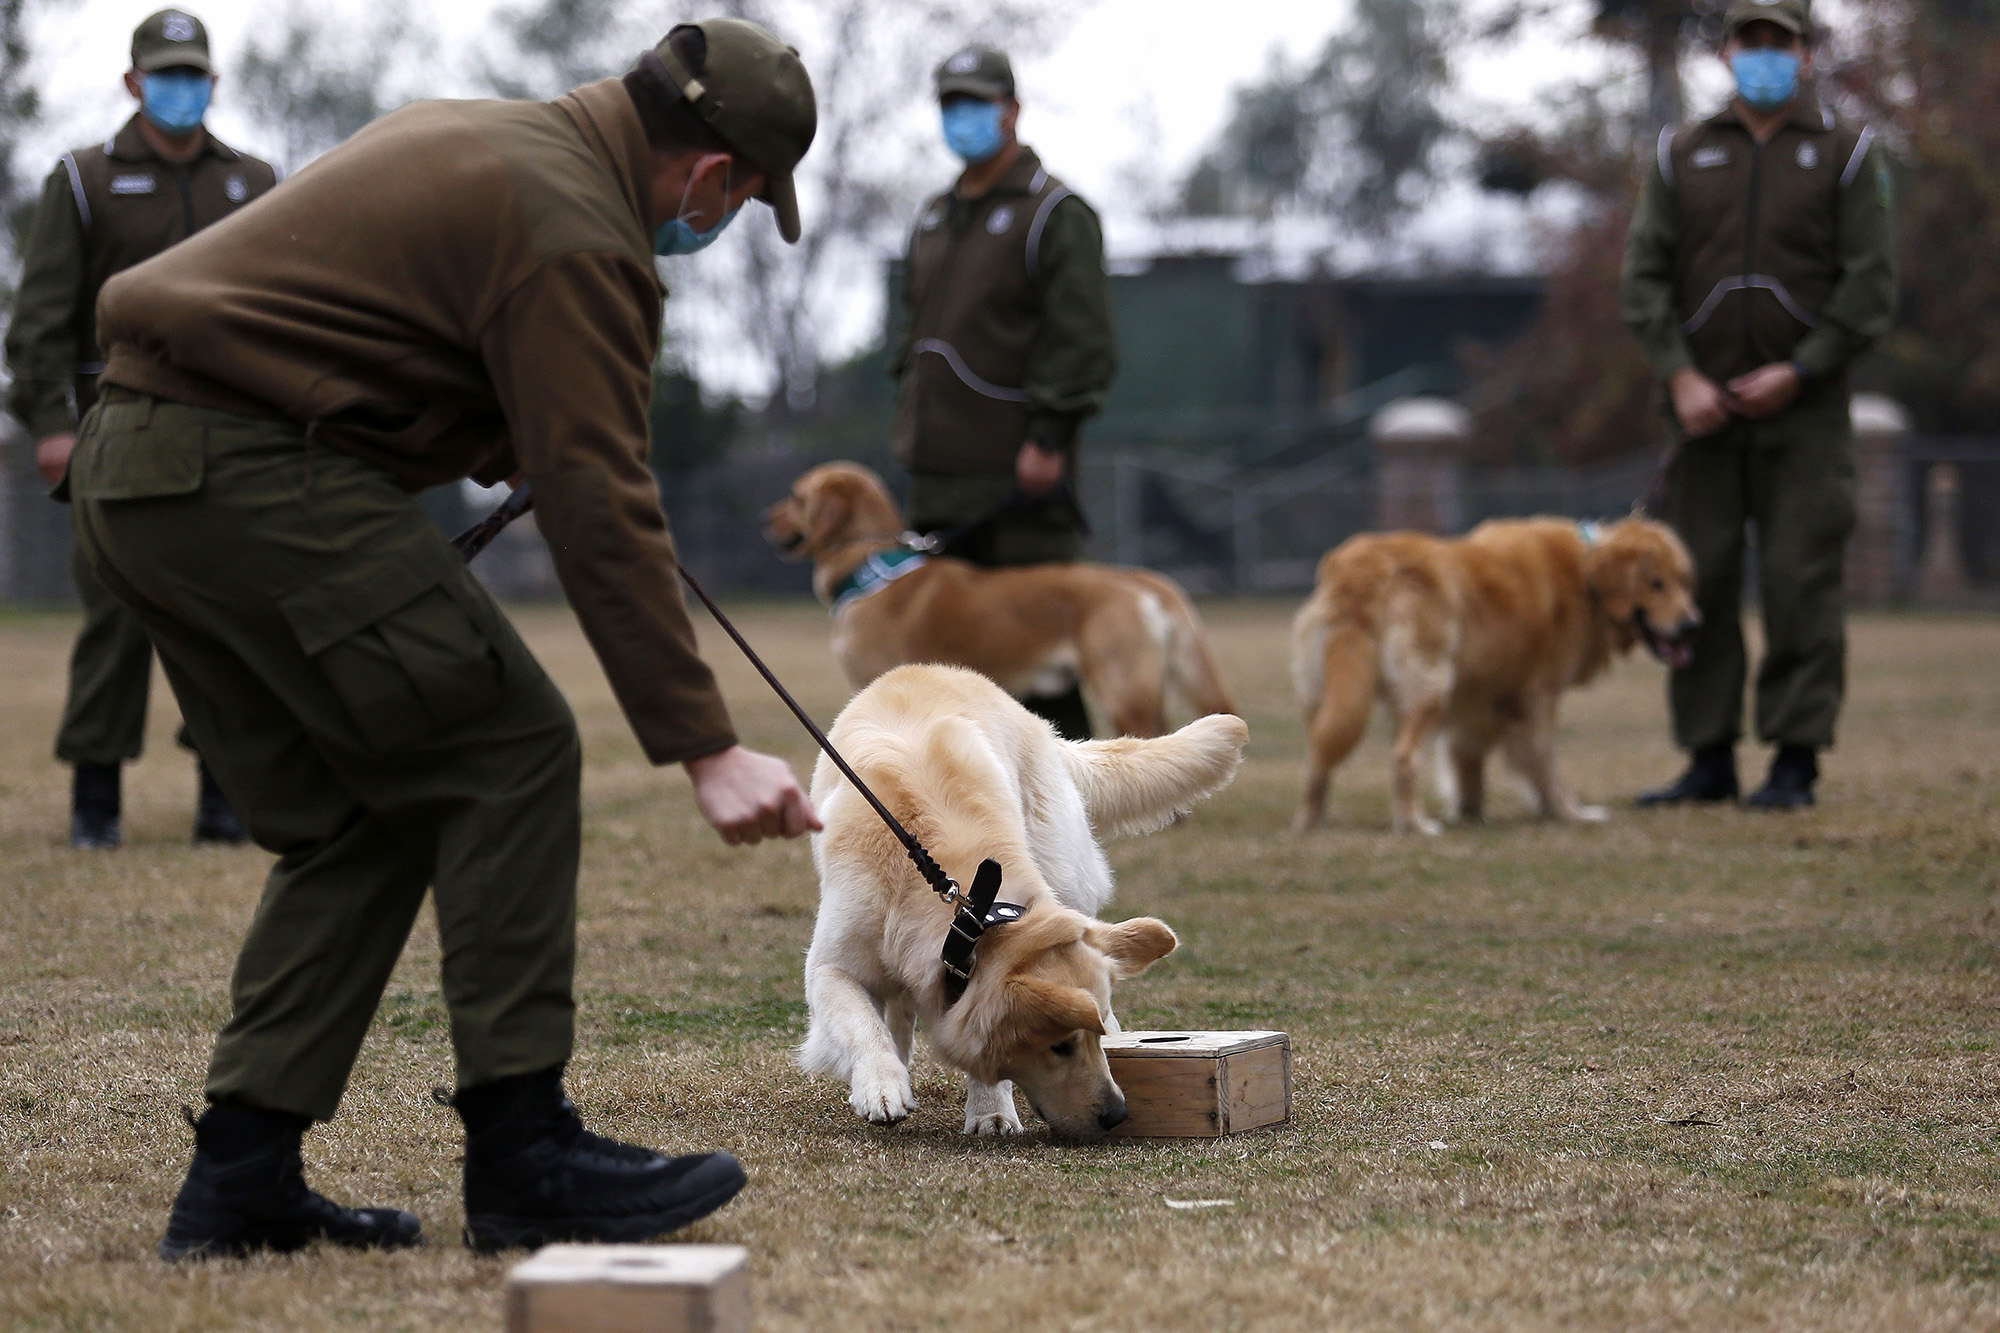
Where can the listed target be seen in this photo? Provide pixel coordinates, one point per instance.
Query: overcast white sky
(1129, 80)
(1129, 87)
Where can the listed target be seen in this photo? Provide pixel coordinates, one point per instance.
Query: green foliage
(688, 432)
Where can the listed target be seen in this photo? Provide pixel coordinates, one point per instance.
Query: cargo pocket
(406, 657)
(123, 454)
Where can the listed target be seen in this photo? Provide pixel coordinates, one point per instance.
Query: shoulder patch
(1715, 155)
(933, 217)
(1000, 219)
(134, 182)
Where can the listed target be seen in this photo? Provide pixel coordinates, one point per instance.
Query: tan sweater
(464, 288)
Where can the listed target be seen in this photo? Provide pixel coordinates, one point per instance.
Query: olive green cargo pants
(110, 677)
(1037, 536)
(1791, 478)
(375, 720)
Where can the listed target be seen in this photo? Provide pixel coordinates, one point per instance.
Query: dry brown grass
(1689, 1070)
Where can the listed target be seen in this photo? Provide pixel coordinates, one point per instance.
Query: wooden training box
(631, 1289)
(1202, 1085)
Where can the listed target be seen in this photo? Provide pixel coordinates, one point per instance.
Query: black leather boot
(534, 1175)
(214, 817)
(1794, 769)
(95, 802)
(1066, 712)
(246, 1192)
(1710, 777)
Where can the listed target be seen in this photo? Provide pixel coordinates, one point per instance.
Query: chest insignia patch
(1808, 155)
(236, 189)
(1000, 219)
(1705, 158)
(136, 183)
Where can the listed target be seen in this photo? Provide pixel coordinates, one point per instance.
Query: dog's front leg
(1531, 750)
(850, 1038)
(989, 1108)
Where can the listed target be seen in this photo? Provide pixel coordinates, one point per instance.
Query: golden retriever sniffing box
(972, 775)
(1470, 642)
(1128, 635)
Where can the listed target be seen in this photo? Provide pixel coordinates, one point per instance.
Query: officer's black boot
(1794, 769)
(1066, 712)
(534, 1175)
(94, 805)
(1710, 776)
(245, 1192)
(214, 818)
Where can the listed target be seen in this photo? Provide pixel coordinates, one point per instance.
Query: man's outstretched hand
(749, 797)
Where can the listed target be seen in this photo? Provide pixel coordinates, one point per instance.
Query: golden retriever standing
(1472, 641)
(1128, 635)
(972, 775)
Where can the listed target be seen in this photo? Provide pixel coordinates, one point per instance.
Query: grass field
(1688, 1070)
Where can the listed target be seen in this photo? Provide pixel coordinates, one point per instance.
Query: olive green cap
(1791, 15)
(977, 71)
(754, 92)
(171, 39)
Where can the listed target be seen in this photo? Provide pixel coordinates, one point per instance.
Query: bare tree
(316, 80)
(1352, 134)
(20, 110)
(870, 62)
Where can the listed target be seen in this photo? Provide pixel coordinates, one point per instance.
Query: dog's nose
(1112, 1116)
(1690, 622)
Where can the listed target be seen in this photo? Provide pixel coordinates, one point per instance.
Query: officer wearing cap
(1759, 266)
(105, 208)
(463, 288)
(1007, 344)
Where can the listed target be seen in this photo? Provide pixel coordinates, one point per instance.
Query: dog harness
(875, 573)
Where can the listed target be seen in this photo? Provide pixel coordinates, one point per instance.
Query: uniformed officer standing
(463, 288)
(157, 181)
(1759, 266)
(1007, 344)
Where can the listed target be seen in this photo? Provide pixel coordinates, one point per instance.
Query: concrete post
(1875, 553)
(1941, 572)
(1420, 446)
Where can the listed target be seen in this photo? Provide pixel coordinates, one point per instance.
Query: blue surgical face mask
(676, 237)
(1765, 78)
(972, 129)
(176, 99)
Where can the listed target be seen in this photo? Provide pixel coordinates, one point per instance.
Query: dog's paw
(1427, 826)
(1592, 814)
(993, 1122)
(882, 1101)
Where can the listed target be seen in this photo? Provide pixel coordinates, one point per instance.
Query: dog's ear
(1044, 1008)
(827, 512)
(1132, 946)
(1611, 571)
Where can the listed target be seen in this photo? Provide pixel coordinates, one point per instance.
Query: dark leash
(954, 541)
(975, 911)
(1652, 501)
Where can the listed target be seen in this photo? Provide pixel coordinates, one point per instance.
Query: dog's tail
(1190, 667)
(1336, 663)
(1135, 785)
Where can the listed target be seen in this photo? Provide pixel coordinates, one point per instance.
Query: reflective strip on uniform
(964, 373)
(1744, 282)
(1666, 154)
(76, 188)
(1035, 231)
(1853, 167)
(1041, 179)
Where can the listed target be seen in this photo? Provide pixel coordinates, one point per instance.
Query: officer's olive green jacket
(463, 288)
(103, 209)
(1007, 332)
(1741, 255)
